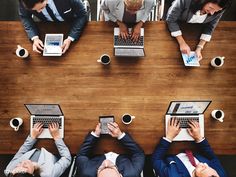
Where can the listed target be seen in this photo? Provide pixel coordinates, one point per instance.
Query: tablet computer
(53, 44)
(104, 120)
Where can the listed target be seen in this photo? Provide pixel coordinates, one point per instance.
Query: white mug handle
(99, 61)
(132, 117)
(16, 128)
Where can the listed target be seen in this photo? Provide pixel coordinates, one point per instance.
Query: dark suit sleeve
(80, 19)
(137, 154)
(27, 21)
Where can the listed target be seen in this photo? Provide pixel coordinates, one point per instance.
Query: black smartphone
(104, 120)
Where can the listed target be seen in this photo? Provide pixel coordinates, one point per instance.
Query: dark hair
(199, 4)
(36, 174)
(29, 4)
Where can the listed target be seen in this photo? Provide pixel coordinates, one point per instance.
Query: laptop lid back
(44, 109)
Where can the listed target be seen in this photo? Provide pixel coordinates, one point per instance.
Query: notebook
(46, 114)
(191, 60)
(185, 111)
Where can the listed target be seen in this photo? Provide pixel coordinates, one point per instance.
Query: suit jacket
(130, 165)
(172, 166)
(114, 10)
(180, 11)
(70, 10)
(50, 165)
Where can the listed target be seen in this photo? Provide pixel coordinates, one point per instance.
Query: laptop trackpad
(129, 52)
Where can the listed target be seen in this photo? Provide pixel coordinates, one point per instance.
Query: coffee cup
(217, 62)
(104, 59)
(21, 52)
(127, 118)
(15, 123)
(218, 115)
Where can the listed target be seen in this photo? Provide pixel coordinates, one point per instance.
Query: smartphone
(104, 120)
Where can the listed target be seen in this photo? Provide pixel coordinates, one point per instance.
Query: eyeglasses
(114, 167)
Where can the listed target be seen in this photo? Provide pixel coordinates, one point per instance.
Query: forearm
(201, 44)
(180, 40)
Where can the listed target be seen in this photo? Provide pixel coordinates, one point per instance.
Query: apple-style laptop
(185, 111)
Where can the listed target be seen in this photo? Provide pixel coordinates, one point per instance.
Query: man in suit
(52, 10)
(110, 164)
(204, 164)
(29, 162)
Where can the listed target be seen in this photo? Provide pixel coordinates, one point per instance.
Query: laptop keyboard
(47, 120)
(184, 121)
(118, 41)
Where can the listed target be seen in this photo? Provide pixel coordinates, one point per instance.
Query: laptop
(185, 111)
(46, 113)
(128, 48)
(52, 45)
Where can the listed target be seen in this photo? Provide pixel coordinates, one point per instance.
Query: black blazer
(70, 10)
(130, 165)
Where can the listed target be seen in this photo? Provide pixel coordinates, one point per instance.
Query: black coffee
(22, 52)
(105, 59)
(126, 118)
(217, 61)
(218, 114)
(15, 122)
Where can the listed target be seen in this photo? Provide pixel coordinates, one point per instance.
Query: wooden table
(142, 87)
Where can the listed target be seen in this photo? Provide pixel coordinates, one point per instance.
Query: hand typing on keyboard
(136, 31)
(54, 130)
(37, 130)
(194, 130)
(173, 128)
(123, 30)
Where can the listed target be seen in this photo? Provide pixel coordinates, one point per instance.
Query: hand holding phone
(104, 120)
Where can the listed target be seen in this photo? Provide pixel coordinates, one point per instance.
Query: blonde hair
(133, 3)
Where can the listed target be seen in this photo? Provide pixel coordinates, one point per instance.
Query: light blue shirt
(51, 4)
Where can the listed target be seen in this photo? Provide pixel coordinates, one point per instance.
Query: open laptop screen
(188, 107)
(44, 109)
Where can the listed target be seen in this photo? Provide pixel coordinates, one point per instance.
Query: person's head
(37, 5)
(203, 170)
(108, 169)
(210, 7)
(132, 6)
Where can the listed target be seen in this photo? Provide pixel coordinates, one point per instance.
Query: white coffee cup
(218, 115)
(16, 122)
(21, 52)
(127, 118)
(217, 62)
(104, 59)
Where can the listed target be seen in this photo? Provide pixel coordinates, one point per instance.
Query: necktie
(35, 155)
(50, 12)
(191, 157)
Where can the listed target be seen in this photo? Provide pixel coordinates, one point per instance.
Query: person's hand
(123, 30)
(184, 48)
(37, 45)
(114, 129)
(54, 130)
(97, 130)
(37, 130)
(194, 130)
(136, 32)
(173, 128)
(66, 45)
(198, 52)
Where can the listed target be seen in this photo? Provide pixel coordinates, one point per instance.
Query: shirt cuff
(35, 37)
(205, 37)
(71, 38)
(94, 134)
(201, 140)
(176, 33)
(121, 136)
(167, 139)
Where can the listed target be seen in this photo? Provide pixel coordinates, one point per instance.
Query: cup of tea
(15, 123)
(218, 115)
(127, 118)
(21, 52)
(217, 62)
(104, 59)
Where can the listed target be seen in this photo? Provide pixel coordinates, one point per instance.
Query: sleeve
(173, 16)
(107, 9)
(80, 19)
(137, 154)
(27, 21)
(27, 146)
(151, 5)
(64, 162)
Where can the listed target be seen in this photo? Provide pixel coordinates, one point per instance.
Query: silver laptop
(185, 111)
(128, 48)
(46, 114)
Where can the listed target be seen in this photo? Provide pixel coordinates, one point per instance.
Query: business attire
(50, 165)
(130, 165)
(115, 10)
(56, 10)
(180, 11)
(179, 165)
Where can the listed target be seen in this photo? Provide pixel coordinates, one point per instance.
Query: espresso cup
(15, 123)
(218, 115)
(127, 118)
(217, 62)
(21, 52)
(104, 59)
